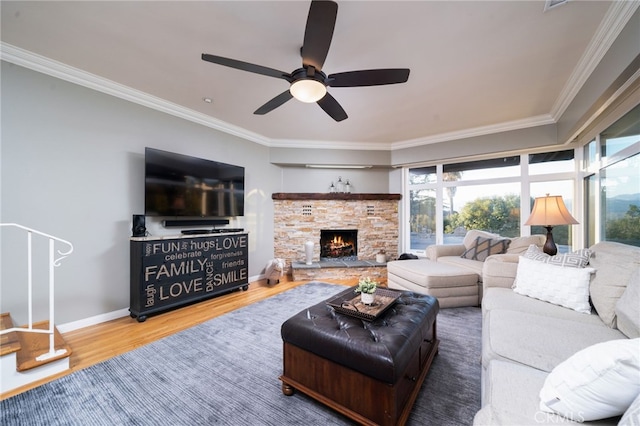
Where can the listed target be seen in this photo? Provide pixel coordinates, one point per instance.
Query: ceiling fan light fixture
(308, 90)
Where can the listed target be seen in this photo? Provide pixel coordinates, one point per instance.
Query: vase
(367, 298)
(308, 252)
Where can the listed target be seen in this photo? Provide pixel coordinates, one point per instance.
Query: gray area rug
(225, 372)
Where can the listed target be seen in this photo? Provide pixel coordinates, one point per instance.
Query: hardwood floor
(98, 343)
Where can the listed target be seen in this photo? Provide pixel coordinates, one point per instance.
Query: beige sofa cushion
(628, 307)
(614, 264)
(538, 341)
(500, 270)
(428, 274)
(466, 264)
(511, 397)
(505, 298)
(520, 244)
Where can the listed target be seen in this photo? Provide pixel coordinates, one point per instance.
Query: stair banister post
(29, 280)
(52, 348)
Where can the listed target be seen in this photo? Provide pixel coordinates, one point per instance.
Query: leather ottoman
(370, 371)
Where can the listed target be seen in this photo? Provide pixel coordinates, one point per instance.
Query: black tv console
(168, 273)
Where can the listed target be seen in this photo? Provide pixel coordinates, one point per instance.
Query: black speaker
(138, 229)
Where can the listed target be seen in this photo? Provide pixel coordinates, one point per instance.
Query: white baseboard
(98, 319)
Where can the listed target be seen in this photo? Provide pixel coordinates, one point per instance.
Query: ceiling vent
(550, 4)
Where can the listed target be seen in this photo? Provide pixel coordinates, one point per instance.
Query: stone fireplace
(301, 217)
(338, 244)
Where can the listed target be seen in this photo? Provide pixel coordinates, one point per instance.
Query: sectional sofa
(454, 273)
(561, 343)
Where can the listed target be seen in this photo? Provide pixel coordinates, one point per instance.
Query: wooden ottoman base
(366, 400)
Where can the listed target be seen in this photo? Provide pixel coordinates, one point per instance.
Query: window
(446, 201)
(422, 175)
(559, 161)
(622, 134)
(422, 218)
(494, 208)
(590, 189)
(612, 189)
(620, 200)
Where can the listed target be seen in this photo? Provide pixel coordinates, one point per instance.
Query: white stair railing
(53, 262)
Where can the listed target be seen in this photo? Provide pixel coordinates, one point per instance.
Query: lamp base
(549, 245)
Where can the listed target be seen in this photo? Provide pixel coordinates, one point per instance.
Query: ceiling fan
(309, 83)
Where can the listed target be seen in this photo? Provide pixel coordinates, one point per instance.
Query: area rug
(225, 372)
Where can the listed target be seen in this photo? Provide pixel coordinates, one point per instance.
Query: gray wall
(72, 165)
(300, 179)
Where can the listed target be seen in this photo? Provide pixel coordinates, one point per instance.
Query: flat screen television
(184, 186)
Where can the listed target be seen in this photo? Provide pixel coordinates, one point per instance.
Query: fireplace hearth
(338, 244)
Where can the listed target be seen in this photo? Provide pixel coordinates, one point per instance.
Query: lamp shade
(550, 211)
(308, 90)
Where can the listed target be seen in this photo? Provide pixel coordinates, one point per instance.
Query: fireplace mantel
(332, 196)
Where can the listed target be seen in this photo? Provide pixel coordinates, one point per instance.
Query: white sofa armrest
(499, 270)
(439, 250)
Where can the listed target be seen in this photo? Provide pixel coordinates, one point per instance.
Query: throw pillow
(470, 237)
(485, 247)
(568, 287)
(614, 263)
(576, 259)
(628, 307)
(595, 383)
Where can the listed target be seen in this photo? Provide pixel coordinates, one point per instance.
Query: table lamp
(550, 211)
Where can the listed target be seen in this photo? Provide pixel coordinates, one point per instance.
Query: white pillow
(568, 287)
(598, 382)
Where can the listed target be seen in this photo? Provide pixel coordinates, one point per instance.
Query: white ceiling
(476, 66)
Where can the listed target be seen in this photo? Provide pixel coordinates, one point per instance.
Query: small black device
(139, 227)
(195, 231)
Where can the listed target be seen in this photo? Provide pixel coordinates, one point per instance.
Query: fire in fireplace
(338, 244)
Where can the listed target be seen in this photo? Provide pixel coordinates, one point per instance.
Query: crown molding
(344, 145)
(540, 120)
(610, 28)
(35, 62)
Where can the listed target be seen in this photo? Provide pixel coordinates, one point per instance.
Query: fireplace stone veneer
(299, 218)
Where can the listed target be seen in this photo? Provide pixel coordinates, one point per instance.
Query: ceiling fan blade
(368, 77)
(319, 32)
(274, 103)
(246, 66)
(329, 104)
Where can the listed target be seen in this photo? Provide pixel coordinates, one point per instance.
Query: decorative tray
(348, 303)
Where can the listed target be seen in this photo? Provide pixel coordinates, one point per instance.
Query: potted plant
(366, 287)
